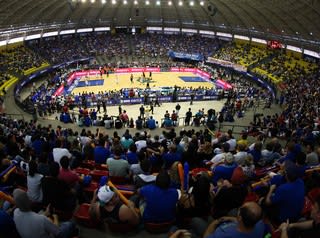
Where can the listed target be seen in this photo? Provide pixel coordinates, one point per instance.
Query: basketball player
(150, 75)
(117, 79)
(86, 80)
(131, 78)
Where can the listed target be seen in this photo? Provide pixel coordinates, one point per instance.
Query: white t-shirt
(240, 157)
(219, 158)
(233, 144)
(34, 187)
(141, 144)
(31, 225)
(58, 153)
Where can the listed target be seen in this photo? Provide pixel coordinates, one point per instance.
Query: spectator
(286, 200)
(246, 224)
(117, 166)
(34, 183)
(63, 200)
(101, 153)
(151, 123)
(31, 224)
(59, 151)
(159, 193)
(107, 206)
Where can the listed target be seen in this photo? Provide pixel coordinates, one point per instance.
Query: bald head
(250, 214)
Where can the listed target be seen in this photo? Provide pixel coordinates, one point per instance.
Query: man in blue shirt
(160, 201)
(247, 224)
(101, 153)
(151, 123)
(224, 171)
(171, 156)
(286, 201)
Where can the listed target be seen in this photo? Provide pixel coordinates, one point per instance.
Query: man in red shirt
(66, 175)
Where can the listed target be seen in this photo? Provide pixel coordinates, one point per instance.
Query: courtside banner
(137, 70)
(191, 70)
(181, 55)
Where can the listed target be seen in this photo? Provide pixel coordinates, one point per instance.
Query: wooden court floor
(158, 79)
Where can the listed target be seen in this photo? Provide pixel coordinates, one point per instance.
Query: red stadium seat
(89, 164)
(307, 207)
(84, 171)
(89, 190)
(97, 174)
(118, 180)
(83, 218)
(314, 194)
(101, 166)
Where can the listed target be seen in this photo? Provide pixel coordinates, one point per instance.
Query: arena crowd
(235, 188)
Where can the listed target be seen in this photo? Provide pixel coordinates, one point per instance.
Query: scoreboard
(273, 44)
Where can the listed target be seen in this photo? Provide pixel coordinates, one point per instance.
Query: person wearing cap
(30, 224)
(107, 206)
(224, 171)
(286, 201)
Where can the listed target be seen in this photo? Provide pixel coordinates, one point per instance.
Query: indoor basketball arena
(159, 118)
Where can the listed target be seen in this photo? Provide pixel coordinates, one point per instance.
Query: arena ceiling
(297, 19)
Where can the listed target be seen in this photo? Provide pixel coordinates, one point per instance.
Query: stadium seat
(97, 174)
(83, 171)
(83, 218)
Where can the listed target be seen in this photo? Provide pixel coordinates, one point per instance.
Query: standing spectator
(141, 109)
(101, 153)
(188, 117)
(178, 107)
(124, 118)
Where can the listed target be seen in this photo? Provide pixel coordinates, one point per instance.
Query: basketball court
(117, 81)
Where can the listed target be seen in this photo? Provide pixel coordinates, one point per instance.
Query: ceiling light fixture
(158, 3)
(191, 3)
(147, 2)
(169, 3)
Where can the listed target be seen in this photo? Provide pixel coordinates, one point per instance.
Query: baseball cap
(217, 151)
(105, 194)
